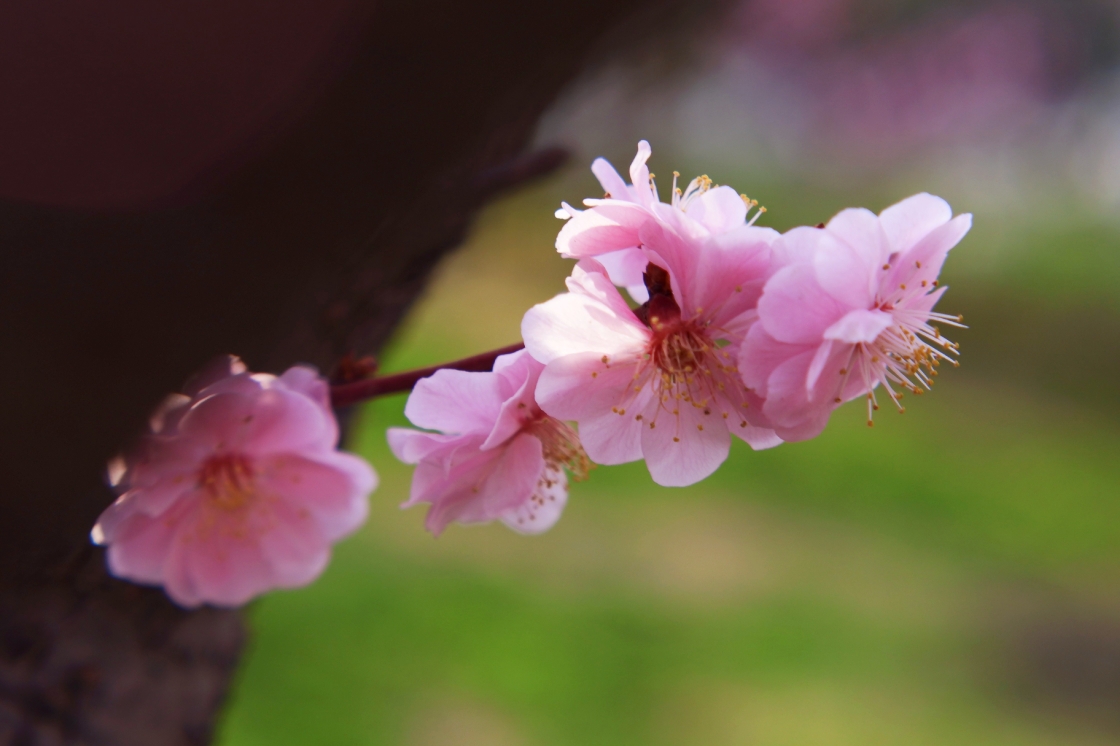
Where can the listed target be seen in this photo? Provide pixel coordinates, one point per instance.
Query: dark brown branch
(351, 393)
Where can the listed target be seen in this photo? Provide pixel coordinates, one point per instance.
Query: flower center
(684, 364)
(689, 366)
(228, 481)
(561, 446)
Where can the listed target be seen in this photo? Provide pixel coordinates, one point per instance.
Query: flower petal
(333, 491)
(859, 326)
(923, 262)
(684, 447)
(639, 176)
(455, 401)
(591, 318)
(625, 268)
(912, 219)
(795, 309)
(481, 495)
(543, 509)
(719, 210)
(850, 256)
(583, 388)
(761, 354)
(521, 370)
(294, 547)
(609, 179)
(611, 225)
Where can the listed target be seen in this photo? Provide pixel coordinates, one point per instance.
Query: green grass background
(911, 583)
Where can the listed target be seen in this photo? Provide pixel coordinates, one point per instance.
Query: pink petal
(924, 260)
(455, 401)
(719, 210)
(795, 309)
(850, 256)
(715, 278)
(788, 401)
(806, 429)
(913, 218)
(226, 569)
(611, 225)
(519, 373)
(686, 447)
(139, 545)
(294, 547)
(178, 581)
(589, 278)
(439, 471)
(758, 438)
(567, 390)
(817, 365)
(739, 266)
(797, 246)
(761, 354)
(272, 420)
(639, 176)
(925, 303)
(859, 326)
(333, 491)
(542, 511)
(304, 379)
(625, 268)
(609, 179)
(413, 446)
(591, 318)
(510, 480)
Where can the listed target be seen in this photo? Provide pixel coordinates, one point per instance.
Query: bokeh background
(951, 576)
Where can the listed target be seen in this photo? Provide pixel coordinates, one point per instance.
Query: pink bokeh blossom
(659, 382)
(610, 230)
(496, 456)
(236, 489)
(852, 310)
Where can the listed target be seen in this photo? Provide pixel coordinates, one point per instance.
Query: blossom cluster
(730, 329)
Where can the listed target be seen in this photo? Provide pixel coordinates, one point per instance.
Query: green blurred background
(949, 576)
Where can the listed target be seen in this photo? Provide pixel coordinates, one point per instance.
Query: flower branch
(345, 394)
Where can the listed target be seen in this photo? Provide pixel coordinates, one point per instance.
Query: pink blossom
(237, 489)
(659, 383)
(496, 455)
(610, 231)
(852, 311)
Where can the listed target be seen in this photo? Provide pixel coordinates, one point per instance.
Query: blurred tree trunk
(273, 179)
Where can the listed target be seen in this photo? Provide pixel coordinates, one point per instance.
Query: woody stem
(345, 394)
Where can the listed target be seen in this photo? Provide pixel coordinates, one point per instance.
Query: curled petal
(591, 318)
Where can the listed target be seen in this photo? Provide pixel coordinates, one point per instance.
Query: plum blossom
(236, 489)
(852, 310)
(496, 455)
(610, 230)
(660, 382)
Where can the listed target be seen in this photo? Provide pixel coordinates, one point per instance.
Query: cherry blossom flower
(237, 489)
(661, 382)
(496, 455)
(610, 230)
(852, 310)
